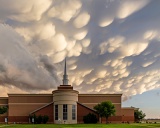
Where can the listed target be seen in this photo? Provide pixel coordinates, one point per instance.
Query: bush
(45, 119)
(90, 118)
(39, 119)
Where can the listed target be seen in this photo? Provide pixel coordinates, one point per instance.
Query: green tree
(105, 109)
(3, 110)
(139, 115)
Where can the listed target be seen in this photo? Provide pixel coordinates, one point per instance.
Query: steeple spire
(65, 70)
(65, 76)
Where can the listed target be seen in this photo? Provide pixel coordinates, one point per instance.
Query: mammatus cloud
(64, 10)
(24, 11)
(111, 46)
(127, 8)
(79, 23)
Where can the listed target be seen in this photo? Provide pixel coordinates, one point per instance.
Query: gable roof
(87, 107)
(41, 107)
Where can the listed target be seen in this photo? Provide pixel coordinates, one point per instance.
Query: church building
(64, 105)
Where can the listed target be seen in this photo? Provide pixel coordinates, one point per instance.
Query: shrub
(90, 118)
(45, 119)
(39, 119)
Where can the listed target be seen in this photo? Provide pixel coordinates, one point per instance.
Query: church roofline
(27, 94)
(127, 108)
(100, 94)
(41, 107)
(86, 107)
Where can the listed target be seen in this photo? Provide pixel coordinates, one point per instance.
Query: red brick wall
(113, 119)
(90, 100)
(3, 102)
(128, 111)
(83, 111)
(18, 119)
(127, 114)
(93, 98)
(129, 119)
(30, 98)
(2, 119)
(117, 107)
(48, 110)
(23, 109)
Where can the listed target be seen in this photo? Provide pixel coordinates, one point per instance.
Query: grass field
(81, 126)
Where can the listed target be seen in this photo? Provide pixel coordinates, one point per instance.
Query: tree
(3, 110)
(105, 109)
(139, 115)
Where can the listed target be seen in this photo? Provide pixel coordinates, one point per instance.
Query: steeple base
(61, 87)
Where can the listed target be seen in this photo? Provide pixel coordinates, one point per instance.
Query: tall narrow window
(64, 111)
(56, 112)
(73, 112)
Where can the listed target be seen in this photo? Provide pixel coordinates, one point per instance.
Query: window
(73, 112)
(56, 112)
(64, 111)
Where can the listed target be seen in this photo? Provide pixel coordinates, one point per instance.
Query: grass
(81, 126)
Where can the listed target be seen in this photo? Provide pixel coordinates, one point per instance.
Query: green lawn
(81, 126)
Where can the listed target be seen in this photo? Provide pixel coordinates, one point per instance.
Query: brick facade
(83, 111)
(22, 105)
(47, 110)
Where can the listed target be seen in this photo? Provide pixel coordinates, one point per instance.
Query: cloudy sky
(112, 46)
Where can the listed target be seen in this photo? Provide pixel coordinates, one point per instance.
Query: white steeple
(65, 76)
